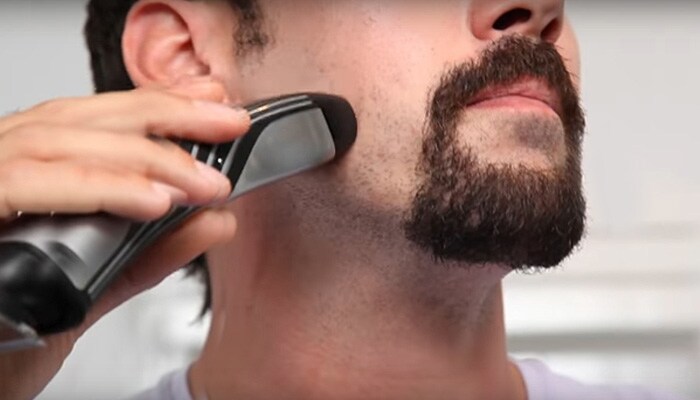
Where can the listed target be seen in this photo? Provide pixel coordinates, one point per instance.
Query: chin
(525, 159)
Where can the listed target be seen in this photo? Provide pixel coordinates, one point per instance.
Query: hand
(94, 154)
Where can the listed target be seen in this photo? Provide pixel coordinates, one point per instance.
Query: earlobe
(158, 45)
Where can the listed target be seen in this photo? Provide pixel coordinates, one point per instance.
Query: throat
(284, 345)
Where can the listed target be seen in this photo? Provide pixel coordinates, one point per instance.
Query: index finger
(197, 116)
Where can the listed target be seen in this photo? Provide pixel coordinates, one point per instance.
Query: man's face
(450, 140)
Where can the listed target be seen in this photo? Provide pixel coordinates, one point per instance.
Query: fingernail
(176, 195)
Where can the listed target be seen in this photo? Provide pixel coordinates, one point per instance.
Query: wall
(622, 309)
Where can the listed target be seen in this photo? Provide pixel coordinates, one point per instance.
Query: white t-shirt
(541, 383)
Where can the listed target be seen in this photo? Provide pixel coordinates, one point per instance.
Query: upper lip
(529, 88)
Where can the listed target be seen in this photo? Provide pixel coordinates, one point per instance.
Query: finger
(149, 111)
(202, 89)
(168, 164)
(196, 236)
(41, 188)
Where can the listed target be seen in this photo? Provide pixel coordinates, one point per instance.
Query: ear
(176, 41)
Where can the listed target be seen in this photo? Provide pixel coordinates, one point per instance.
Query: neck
(347, 314)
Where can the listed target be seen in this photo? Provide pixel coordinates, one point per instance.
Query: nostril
(512, 17)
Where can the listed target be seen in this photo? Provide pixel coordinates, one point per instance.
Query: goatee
(473, 212)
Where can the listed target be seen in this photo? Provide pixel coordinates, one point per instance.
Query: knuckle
(14, 172)
(56, 108)
(30, 140)
(27, 135)
(14, 176)
(29, 128)
(88, 175)
(83, 174)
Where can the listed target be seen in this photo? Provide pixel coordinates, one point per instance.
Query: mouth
(527, 93)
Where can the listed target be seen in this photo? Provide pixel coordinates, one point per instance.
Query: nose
(538, 19)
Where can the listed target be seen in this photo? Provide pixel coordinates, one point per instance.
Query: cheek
(384, 60)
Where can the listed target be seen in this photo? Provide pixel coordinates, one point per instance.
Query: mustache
(504, 63)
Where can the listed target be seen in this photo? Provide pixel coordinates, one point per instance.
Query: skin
(326, 299)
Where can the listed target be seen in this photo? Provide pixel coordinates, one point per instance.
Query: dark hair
(103, 33)
(105, 25)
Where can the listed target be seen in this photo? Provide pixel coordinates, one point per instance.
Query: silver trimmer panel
(290, 145)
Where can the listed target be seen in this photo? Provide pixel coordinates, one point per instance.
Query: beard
(473, 212)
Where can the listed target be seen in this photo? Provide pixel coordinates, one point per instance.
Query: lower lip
(514, 102)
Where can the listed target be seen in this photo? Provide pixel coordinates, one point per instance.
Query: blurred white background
(623, 309)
